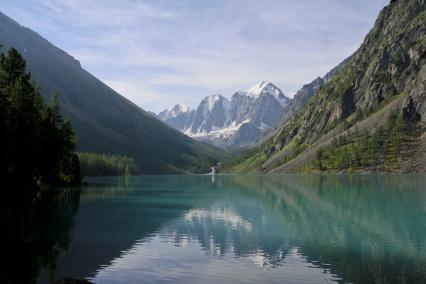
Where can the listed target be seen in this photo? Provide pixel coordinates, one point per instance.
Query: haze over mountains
(104, 121)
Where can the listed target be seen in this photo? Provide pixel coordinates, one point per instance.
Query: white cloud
(159, 53)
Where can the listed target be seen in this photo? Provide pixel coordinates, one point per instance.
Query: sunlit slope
(369, 116)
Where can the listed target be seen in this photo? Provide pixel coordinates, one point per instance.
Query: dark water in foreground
(231, 229)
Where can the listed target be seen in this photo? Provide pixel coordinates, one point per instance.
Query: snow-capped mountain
(177, 117)
(266, 88)
(213, 113)
(238, 122)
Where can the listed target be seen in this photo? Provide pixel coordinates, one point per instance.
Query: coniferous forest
(93, 164)
(107, 178)
(37, 143)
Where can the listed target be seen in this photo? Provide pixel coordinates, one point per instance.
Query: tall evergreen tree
(37, 145)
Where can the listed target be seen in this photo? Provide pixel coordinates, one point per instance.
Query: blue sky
(162, 52)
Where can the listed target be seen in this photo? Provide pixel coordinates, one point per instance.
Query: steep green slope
(370, 115)
(104, 121)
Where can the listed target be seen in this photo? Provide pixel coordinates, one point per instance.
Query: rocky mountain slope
(104, 121)
(369, 116)
(307, 91)
(234, 123)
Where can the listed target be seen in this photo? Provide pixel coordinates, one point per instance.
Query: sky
(162, 52)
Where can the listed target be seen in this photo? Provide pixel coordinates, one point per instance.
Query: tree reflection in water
(359, 228)
(33, 234)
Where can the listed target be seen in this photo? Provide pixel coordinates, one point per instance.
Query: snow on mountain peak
(177, 110)
(265, 87)
(182, 108)
(258, 89)
(239, 121)
(210, 101)
(213, 99)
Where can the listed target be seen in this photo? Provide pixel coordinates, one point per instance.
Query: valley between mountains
(366, 115)
(246, 118)
(256, 185)
(369, 116)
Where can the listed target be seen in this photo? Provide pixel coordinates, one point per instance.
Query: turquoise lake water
(241, 229)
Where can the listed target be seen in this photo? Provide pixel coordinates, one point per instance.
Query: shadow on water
(359, 228)
(34, 234)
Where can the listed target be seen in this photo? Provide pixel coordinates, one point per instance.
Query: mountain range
(235, 123)
(368, 115)
(245, 119)
(105, 121)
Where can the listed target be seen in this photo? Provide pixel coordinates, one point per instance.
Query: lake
(227, 229)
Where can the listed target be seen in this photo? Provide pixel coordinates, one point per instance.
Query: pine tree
(319, 159)
(37, 146)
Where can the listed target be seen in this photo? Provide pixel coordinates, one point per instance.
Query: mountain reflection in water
(275, 229)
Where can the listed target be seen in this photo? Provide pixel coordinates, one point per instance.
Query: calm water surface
(236, 229)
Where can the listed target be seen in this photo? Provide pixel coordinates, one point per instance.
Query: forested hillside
(107, 165)
(369, 116)
(104, 121)
(37, 145)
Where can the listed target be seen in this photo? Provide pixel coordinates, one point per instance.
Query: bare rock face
(389, 63)
(234, 123)
(386, 75)
(177, 117)
(302, 97)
